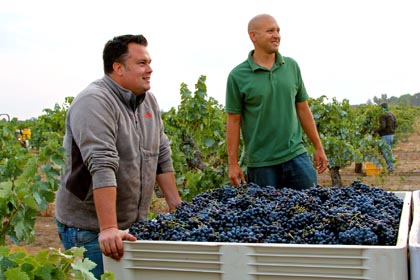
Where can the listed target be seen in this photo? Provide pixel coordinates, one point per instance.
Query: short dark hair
(116, 50)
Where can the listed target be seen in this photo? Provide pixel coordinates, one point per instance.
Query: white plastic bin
(172, 260)
(414, 239)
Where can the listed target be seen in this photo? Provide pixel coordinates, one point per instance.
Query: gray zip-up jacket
(113, 138)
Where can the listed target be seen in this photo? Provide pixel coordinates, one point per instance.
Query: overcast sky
(346, 49)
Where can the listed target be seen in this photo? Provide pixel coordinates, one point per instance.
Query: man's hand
(235, 173)
(110, 242)
(321, 161)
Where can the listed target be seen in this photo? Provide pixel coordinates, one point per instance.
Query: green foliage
(197, 134)
(406, 116)
(28, 181)
(107, 276)
(333, 123)
(366, 117)
(48, 264)
(346, 134)
(50, 125)
(12, 155)
(369, 146)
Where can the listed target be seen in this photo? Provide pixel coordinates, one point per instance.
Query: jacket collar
(125, 95)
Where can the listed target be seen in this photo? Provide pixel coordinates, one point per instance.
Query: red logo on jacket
(148, 115)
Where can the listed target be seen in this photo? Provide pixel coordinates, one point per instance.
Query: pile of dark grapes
(357, 214)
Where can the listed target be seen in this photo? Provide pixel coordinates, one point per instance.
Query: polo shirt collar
(254, 66)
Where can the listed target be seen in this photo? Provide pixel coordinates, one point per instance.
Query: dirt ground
(405, 178)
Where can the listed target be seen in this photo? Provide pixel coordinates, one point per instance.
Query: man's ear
(252, 36)
(118, 68)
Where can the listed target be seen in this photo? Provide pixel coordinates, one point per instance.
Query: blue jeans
(297, 173)
(75, 237)
(389, 139)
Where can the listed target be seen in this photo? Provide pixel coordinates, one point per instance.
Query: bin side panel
(414, 238)
(169, 260)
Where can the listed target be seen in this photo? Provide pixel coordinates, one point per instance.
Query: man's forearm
(167, 184)
(233, 138)
(105, 204)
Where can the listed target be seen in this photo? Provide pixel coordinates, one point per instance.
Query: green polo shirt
(266, 101)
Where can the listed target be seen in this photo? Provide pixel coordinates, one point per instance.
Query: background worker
(387, 125)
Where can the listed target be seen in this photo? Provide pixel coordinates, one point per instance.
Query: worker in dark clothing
(386, 129)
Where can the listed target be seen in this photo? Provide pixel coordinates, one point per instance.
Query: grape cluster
(357, 214)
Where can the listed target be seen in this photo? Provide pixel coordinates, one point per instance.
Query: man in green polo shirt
(266, 99)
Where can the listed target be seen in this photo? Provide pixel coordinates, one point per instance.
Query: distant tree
(392, 100)
(415, 99)
(403, 100)
(379, 100)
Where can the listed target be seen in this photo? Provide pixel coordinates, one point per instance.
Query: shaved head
(264, 33)
(256, 22)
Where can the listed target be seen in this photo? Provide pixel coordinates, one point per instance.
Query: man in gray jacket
(116, 151)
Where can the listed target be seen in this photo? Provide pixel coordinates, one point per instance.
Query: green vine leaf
(16, 274)
(84, 267)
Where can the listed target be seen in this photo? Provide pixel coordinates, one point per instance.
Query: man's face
(266, 35)
(136, 70)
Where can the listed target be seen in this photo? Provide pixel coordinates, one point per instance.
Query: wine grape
(355, 215)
